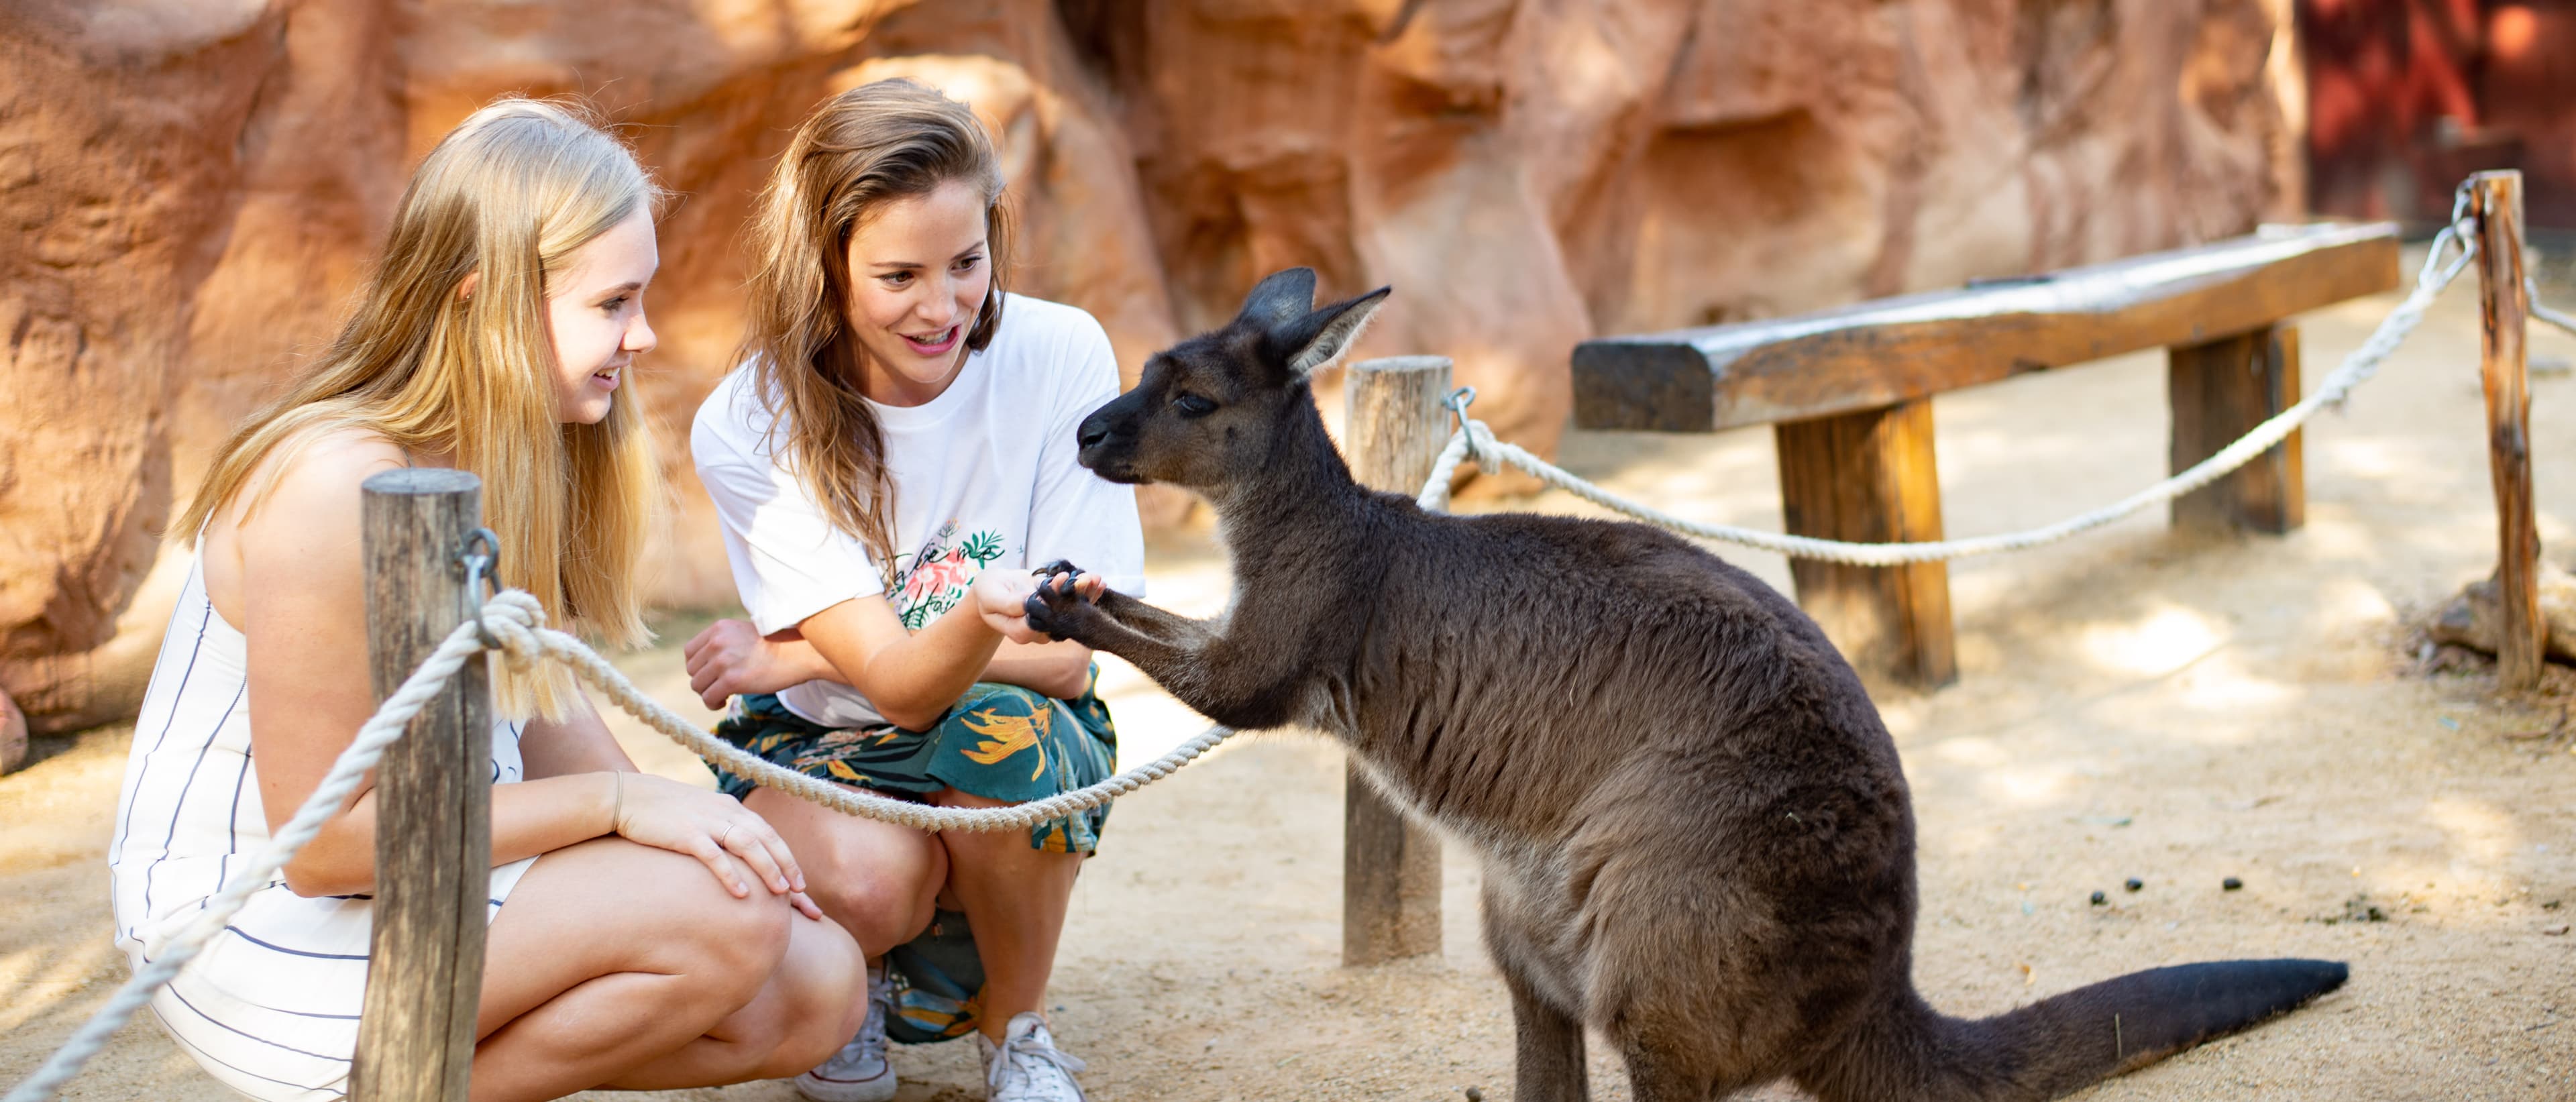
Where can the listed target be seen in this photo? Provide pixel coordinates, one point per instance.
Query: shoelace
(880, 1006)
(870, 1044)
(872, 1034)
(1027, 1046)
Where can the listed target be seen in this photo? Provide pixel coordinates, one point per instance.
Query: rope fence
(513, 624)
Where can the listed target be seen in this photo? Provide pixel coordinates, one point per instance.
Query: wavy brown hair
(506, 197)
(893, 139)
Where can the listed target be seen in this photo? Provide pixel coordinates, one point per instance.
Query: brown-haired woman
(502, 319)
(895, 454)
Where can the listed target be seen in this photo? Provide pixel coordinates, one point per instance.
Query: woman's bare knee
(873, 878)
(977, 844)
(682, 922)
(820, 992)
(744, 938)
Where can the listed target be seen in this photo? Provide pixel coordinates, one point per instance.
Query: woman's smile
(936, 343)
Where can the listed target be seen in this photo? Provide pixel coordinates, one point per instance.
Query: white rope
(525, 644)
(517, 622)
(2531, 288)
(1475, 440)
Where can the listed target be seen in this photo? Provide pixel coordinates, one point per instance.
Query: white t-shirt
(984, 476)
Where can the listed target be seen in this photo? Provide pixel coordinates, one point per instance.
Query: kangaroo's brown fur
(1696, 833)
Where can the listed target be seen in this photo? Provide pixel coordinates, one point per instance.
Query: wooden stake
(2504, 306)
(1395, 427)
(433, 798)
(2219, 391)
(1868, 478)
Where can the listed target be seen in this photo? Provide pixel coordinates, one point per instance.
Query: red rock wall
(2410, 96)
(190, 188)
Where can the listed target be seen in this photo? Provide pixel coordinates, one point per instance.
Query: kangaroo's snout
(1108, 440)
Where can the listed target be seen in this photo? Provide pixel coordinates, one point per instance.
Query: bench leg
(2220, 390)
(1868, 478)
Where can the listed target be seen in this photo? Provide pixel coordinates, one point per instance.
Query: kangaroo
(1696, 832)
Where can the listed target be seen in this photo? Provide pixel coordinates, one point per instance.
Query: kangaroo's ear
(1314, 341)
(1282, 298)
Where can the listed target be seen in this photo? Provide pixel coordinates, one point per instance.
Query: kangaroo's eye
(1191, 405)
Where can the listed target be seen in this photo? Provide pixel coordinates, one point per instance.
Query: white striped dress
(271, 1006)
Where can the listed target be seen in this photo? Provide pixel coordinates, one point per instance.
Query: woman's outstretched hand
(1001, 598)
(731, 840)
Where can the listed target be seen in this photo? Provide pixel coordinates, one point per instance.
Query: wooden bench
(1848, 394)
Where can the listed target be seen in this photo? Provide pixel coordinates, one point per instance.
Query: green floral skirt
(1001, 742)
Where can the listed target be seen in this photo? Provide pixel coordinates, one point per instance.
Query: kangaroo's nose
(1094, 430)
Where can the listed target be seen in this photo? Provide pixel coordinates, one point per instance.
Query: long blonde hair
(506, 198)
(893, 139)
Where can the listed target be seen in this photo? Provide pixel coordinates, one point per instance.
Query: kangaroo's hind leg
(1549, 1045)
(1701, 978)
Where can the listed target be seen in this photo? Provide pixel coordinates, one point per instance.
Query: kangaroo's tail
(1906, 1050)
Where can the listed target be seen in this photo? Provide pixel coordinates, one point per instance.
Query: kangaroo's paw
(1058, 608)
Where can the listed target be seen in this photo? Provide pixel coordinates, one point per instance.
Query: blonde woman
(644, 933)
(893, 458)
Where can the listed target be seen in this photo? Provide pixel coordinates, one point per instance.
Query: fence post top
(421, 480)
(1402, 363)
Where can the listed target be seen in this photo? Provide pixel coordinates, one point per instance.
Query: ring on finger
(726, 837)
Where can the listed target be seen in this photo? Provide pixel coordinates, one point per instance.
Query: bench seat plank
(1876, 354)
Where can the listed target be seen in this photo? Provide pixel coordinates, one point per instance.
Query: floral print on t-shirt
(932, 580)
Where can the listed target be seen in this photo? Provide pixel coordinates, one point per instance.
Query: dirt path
(2131, 704)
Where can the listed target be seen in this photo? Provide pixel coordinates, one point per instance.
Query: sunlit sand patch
(2338, 535)
(2477, 830)
(2167, 639)
(2030, 785)
(35, 980)
(2225, 685)
(1999, 774)
(1975, 753)
(2362, 458)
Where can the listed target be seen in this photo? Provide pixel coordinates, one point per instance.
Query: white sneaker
(1026, 1066)
(859, 1072)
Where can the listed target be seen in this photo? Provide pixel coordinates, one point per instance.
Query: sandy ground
(2132, 704)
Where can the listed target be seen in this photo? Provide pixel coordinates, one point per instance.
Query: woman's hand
(1001, 599)
(714, 828)
(732, 657)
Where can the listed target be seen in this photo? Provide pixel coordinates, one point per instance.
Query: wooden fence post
(2504, 305)
(1394, 429)
(1867, 477)
(433, 798)
(2219, 390)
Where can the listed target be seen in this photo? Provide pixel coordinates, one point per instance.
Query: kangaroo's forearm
(1231, 683)
(1156, 623)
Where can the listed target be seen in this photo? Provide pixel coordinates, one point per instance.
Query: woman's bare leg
(611, 956)
(804, 1015)
(877, 880)
(1015, 899)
